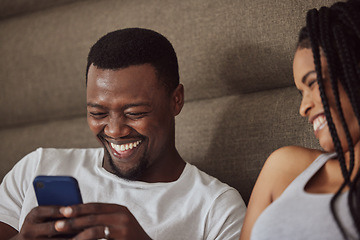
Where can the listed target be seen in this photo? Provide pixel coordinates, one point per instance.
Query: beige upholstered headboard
(235, 63)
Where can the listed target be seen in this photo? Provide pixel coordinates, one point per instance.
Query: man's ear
(177, 99)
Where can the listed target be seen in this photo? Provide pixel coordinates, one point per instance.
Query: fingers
(97, 232)
(91, 208)
(43, 213)
(47, 238)
(114, 225)
(96, 220)
(30, 231)
(39, 223)
(80, 223)
(80, 217)
(110, 232)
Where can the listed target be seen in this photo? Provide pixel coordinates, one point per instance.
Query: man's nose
(117, 127)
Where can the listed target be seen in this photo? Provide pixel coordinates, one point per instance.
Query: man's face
(132, 115)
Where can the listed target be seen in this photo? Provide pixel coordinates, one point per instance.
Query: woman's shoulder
(285, 164)
(293, 157)
(279, 170)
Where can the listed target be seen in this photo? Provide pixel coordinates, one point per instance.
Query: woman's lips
(319, 122)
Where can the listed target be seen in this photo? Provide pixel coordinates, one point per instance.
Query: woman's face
(311, 104)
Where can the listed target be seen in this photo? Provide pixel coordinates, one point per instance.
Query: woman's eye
(312, 83)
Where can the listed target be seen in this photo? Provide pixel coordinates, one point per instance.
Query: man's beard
(132, 174)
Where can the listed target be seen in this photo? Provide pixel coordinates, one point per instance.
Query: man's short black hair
(136, 46)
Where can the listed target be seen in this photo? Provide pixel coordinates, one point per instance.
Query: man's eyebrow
(136, 105)
(95, 105)
(130, 105)
(306, 76)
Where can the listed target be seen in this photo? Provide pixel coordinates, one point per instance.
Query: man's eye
(97, 114)
(136, 114)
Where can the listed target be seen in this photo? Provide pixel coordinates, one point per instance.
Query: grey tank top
(297, 214)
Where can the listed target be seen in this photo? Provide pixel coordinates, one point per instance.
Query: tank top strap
(301, 180)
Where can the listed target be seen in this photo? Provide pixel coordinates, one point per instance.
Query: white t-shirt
(196, 206)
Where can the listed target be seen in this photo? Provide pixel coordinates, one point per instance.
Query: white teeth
(124, 147)
(319, 122)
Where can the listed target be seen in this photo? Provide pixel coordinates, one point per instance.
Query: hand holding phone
(52, 192)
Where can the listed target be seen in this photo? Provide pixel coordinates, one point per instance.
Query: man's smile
(125, 147)
(124, 150)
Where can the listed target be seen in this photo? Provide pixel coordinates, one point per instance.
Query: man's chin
(131, 174)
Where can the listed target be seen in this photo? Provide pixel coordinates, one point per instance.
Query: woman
(311, 194)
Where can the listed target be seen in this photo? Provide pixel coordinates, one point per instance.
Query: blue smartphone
(57, 190)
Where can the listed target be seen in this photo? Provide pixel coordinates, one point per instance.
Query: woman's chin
(327, 146)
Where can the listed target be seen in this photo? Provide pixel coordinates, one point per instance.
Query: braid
(344, 54)
(349, 65)
(351, 79)
(348, 16)
(329, 54)
(313, 30)
(337, 31)
(324, 22)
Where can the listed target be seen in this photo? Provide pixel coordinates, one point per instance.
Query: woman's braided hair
(335, 31)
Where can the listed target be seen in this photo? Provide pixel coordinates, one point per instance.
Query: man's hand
(100, 220)
(40, 224)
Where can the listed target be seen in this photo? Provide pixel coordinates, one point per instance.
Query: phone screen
(57, 190)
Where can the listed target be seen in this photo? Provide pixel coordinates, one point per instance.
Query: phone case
(57, 190)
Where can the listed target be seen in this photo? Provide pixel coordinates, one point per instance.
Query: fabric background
(235, 60)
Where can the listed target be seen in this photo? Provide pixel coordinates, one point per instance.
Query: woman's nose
(306, 104)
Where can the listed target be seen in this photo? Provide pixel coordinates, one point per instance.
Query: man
(136, 186)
